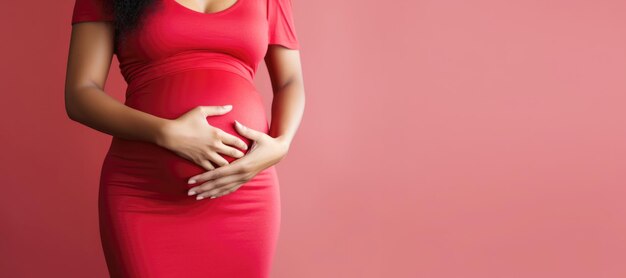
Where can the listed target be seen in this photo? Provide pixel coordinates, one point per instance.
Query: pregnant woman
(188, 187)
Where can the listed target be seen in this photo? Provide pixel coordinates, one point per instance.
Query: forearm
(94, 108)
(287, 110)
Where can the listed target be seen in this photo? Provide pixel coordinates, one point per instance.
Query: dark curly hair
(128, 15)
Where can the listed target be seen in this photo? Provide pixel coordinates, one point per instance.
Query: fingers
(228, 150)
(234, 168)
(206, 165)
(211, 156)
(232, 140)
(217, 158)
(218, 186)
(214, 110)
(247, 132)
(227, 189)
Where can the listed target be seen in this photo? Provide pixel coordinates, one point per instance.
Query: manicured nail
(191, 181)
(191, 192)
(213, 197)
(227, 106)
(200, 197)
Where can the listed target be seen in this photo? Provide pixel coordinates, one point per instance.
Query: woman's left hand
(265, 152)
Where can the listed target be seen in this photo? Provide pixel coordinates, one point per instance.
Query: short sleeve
(281, 24)
(92, 10)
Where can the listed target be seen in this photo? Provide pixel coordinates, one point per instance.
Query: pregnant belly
(171, 96)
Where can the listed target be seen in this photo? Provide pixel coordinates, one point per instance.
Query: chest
(170, 28)
(210, 6)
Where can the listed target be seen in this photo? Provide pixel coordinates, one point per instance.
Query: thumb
(248, 132)
(214, 110)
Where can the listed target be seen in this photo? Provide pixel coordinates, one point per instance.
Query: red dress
(179, 59)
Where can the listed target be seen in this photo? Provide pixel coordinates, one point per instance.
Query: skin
(203, 6)
(190, 136)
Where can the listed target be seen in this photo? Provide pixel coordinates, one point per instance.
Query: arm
(89, 60)
(285, 71)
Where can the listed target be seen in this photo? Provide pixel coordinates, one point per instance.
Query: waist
(176, 93)
(139, 74)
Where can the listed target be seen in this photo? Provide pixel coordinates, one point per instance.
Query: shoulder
(92, 10)
(282, 29)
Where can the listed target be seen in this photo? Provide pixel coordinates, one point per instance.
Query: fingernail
(191, 181)
(191, 192)
(227, 106)
(213, 197)
(200, 197)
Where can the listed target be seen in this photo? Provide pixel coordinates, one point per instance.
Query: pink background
(440, 139)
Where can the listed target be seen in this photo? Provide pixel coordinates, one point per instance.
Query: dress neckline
(224, 11)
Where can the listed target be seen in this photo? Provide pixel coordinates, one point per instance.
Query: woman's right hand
(192, 137)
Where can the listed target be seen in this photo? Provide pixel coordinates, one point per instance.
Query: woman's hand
(192, 137)
(265, 152)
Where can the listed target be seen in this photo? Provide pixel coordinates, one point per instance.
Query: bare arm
(89, 60)
(285, 71)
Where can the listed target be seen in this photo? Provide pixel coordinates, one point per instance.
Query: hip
(135, 168)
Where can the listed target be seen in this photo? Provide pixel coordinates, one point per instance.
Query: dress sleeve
(92, 10)
(281, 24)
